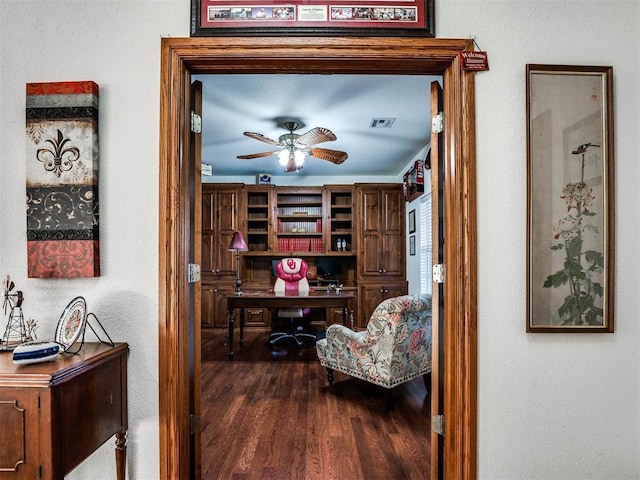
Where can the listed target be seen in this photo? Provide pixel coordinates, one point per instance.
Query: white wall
(551, 406)
(413, 261)
(117, 45)
(563, 406)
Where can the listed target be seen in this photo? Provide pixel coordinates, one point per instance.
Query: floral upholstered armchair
(394, 348)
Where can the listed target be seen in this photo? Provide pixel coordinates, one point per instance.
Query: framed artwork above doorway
(407, 18)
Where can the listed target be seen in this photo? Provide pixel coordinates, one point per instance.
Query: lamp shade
(237, 243)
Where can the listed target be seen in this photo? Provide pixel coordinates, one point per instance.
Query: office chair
(291, 278)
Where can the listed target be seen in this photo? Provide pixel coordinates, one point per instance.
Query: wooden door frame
(181, 57)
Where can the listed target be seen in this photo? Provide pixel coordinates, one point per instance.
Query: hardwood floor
(271, 414)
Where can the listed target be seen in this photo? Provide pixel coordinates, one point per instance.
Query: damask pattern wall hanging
(62, 180)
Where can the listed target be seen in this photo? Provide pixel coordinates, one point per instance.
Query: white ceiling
(345, 104)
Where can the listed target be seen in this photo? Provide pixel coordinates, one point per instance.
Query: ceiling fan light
(291, 159)
(291, 165)
(283, 157)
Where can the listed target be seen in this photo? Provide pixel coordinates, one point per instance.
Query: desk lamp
(238, 245)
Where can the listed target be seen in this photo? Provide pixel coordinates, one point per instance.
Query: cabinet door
(335, 315)
(221, 315)
(214, 306)
(226, 223)
(219, 221)
(22, 438)
(370, 258)
(382, 247)
(208, 306)
(393, 239)
(370, 296)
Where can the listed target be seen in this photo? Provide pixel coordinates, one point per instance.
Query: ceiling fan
(294, 147)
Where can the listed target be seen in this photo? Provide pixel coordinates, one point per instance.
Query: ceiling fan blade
(315, 136)
(257, 155)
(262, 138)
(334, 156)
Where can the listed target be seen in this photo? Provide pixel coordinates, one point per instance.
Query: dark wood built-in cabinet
(358, 228)
(221, 204)
(382, 252)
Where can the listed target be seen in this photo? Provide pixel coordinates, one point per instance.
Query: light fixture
(291, 158)
(238, 245)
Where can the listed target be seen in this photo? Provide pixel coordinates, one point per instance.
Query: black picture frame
(412, 221)
(227, 23)
(412, 245)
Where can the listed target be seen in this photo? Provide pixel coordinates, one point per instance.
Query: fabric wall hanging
(62, 180)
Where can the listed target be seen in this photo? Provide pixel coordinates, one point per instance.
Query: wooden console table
(55, 414)
(270, 300)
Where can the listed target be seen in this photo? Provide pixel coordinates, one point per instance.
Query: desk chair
(291, 277)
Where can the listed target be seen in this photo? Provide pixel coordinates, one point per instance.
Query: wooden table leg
(231, 325)
(121, 455)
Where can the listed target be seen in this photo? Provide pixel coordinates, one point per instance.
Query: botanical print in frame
(570, 195)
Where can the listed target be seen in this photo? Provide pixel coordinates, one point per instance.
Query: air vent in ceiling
(381, 122)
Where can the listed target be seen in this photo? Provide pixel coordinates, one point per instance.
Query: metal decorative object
(16, 332)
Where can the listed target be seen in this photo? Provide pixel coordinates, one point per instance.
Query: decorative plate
(71, 323)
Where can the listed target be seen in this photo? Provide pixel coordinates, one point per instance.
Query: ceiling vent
(382, 122)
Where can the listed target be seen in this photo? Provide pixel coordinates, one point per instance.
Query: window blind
(425, 244)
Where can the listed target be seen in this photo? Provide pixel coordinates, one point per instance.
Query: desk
(345, 301)
(55, 414)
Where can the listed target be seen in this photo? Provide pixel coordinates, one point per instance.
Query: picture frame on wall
(299, 17)
(264, 179)
(412, 245)
(570, 198)
(412, 221)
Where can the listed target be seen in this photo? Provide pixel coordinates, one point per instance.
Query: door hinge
(196, 123)
(437, 424)
(193, 273)
(438, 273)
(194, 424)
(437, 123)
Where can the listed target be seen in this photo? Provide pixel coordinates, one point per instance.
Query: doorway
(183, 57)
